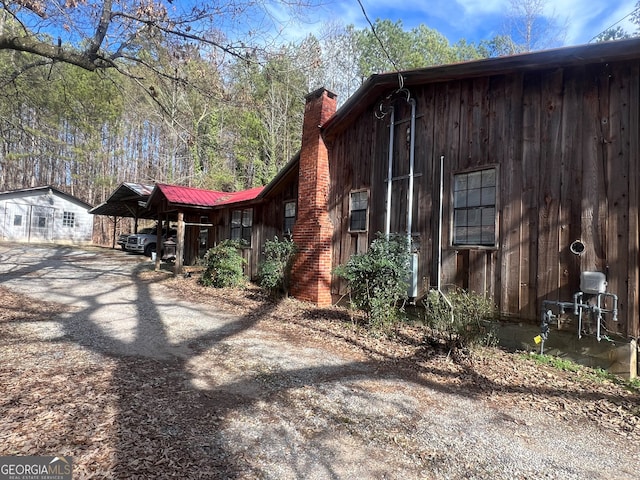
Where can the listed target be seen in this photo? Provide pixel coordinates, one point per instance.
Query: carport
(127, 201)
(192, 209)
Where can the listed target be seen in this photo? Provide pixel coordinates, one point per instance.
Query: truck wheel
(149, 248)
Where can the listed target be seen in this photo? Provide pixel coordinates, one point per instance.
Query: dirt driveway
(101, 361)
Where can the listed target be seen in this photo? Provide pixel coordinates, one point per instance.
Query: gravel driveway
(208, 394)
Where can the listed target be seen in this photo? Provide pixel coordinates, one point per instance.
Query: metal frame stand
(577, 307)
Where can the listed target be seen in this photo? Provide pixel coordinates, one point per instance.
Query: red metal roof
(189, 195)
(205, 198)
(241, 196)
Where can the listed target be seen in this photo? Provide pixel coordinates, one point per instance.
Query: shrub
(468, 327)
(274, 273)
(377, 280)
(223, 266)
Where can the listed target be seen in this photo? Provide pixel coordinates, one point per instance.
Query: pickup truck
(145, 240)
(122, 240)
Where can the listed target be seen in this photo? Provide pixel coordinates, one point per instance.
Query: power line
(382, 112)
(375, 34)
(610, 27)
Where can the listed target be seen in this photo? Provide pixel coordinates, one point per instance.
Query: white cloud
(587, 18)
(483, 7)
(615, 15)
(584, 19)
(471, 19)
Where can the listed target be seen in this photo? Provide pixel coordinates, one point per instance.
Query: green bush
(274, 273)
(468, 327)
(223, 266)
(377, 280)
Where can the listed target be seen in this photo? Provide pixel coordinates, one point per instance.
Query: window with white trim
(358, 210)
(68, 219)
(474, 208)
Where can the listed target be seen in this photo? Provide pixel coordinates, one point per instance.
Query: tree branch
(183, 34)
(101, 29)
(53, 52)
(17, 73)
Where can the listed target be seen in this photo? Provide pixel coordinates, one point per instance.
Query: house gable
(560, 129)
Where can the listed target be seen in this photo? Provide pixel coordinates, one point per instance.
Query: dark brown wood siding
(564, 142)
(268, 221)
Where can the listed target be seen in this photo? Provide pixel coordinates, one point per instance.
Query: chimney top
(318, 93)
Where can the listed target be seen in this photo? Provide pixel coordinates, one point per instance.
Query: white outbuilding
(44, 215)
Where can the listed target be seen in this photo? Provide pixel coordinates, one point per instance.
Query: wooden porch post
(113, 237)
(179, 244)
(158, 241)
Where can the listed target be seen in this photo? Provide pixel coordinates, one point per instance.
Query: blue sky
(475, 20)
(472, 20)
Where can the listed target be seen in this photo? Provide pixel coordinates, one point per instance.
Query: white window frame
(68, 219)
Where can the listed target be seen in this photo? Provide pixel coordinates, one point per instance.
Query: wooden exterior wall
(268, 222)
(565, 145)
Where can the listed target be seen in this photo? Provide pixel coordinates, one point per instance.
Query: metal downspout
(411, 175)
(390, 174)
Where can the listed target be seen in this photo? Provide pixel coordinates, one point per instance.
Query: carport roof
(135, 200)
(128, 200)
(128, 191)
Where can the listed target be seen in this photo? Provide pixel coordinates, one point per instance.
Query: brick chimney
(313, 231)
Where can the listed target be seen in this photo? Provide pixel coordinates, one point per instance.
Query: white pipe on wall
(411, 174)
(413, 284)
(440, 202)
(392, 128)
(439, 281)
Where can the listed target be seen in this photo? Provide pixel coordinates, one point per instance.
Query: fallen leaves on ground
(101, 410)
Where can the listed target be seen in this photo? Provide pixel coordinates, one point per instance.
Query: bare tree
(101, 34)
(530, 29)
(340, 59)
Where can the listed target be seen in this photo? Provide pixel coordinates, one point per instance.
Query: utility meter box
(593, 282)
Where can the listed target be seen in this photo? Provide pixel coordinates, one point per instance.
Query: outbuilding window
(358, 209)
(68, 219)
(474, 208)
(241, 225)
